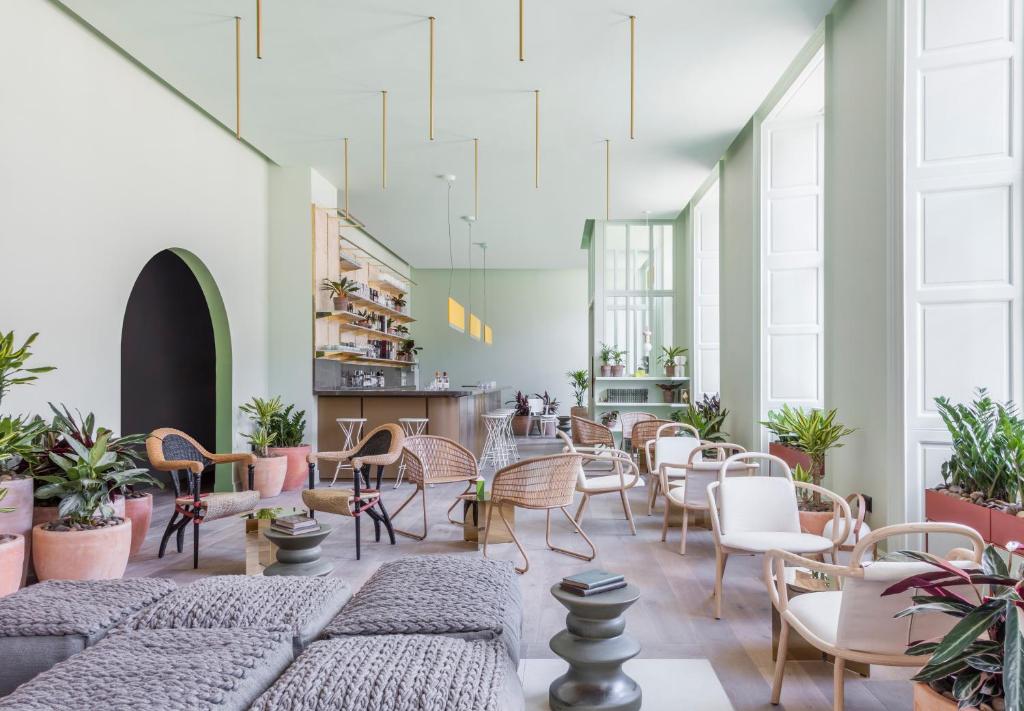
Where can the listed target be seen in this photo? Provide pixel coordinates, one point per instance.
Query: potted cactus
(341, 290)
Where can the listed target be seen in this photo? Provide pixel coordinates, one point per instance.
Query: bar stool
(411, 426)
(352, 432)
(495, 450)
(508, 437)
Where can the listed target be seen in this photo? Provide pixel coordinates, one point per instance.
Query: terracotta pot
(297, 470)
(618, 371)
(340, 303)
(519, 423)
(1006, 527)
(814, 521)
(668, 395)
(268, 477)
(670, 370)
(99, 554)
(43, 514)
(139, 511)
(18, 522)
(583, 412)
(790, 455)
(952, 509)
(12, 563)
(927, 699)
(606, 371)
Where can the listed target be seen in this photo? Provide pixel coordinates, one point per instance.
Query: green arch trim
(224, 475)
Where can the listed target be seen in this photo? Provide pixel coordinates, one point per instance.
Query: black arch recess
(168, 356)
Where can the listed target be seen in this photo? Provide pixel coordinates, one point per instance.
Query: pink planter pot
(139, 512)
(814, 521)
(618, 371)
(12, 563)
(18, 522)
(519, 424)
(606, 371)
(100, 554)
(297, 472)
(269, 476)
(952, 509)
(925, 699)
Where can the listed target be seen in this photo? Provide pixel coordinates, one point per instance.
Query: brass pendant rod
(238, 77)
(476, 177)
(430, 90)
(346, 177)
(259, 29)
(384, 140)
(607, 178)
(522, 56)
(536, 138)
(632, 76)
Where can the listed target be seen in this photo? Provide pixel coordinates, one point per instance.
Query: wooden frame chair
(751, 515)
(173, 451)
(643, 432)
(381, 447)
(629, 420)
(855, 623)
(607, 483)
(430, 460)
(591, 434)
(543, 483)
(669, 448)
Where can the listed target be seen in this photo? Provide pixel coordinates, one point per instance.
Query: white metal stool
(411, 426)
(352, 431)
(495, 450)
(508, 437)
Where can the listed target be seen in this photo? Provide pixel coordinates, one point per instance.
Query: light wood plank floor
(673, 618)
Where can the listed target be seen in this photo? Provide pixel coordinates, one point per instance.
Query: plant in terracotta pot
(289, 431)
(670, 356)
(579, 381)
(979, 663)
(270, 471)
(607, 355)
(707, 417)
(12, 556)
(408, 350)
(398, 303)
(366, 318)
(521, 414)
(87, 541)
(340, 290)
(619, 363)
(669, 391)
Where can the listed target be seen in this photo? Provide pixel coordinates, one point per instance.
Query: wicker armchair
(381, 447)
(643, 432)
(173, 451)
(591, 434)
(628, 420)
(435, 460)
(538, 483)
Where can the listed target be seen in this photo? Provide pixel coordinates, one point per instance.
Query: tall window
(705, 350)
(638, 290)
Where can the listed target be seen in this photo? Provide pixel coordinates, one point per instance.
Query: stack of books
(593, 582)
(294, 525)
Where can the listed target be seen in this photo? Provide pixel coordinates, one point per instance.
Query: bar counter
(453, 413)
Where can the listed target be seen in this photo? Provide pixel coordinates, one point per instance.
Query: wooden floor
(673, 618)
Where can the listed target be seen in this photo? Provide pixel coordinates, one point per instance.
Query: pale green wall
(539, 319)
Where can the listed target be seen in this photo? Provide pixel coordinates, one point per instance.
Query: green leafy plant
(579, 381)
(260, 439)
(398, 302)
(981, 659)
(400, 330)
(18, 437)
(551, 404)
(814, 432)
(803, 475)
(267, 514)
(609, 417)
(13, 360)
(409, 349)
(521, 404)
(619, 356)
(365, 316)
(5, 509)
(85, 480)
(670, 353)
(260, 411)
(988, 447)
(288, 428)
(607, 353)
(707, 417)
(341, 288)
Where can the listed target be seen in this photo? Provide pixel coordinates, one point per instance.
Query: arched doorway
(176, 355)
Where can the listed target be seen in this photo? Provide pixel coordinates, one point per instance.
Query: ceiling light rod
(522, 56)
(238, 77)
(476, 176)
(430, 88)
(259, 29)
(632, 76)
(346, 176)
(383, 140)
(469, 220)
(536, 138)
(487, 329)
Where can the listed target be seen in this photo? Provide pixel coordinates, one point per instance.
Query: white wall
(705, 351)
(102, 167)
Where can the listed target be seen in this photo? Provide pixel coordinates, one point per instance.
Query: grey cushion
(398, 673)
(44, 624)
(461, 596)
(302, 606)
(170, 670)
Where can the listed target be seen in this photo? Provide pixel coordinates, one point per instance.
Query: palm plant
(619, 356)
(85, 479)
(707, 417)
(670, 353)
(341, 288)
(607, 353)
(288, 428)
(579, 380)
(813, 432)
(13, 360)
(261, 411)
(261, 438)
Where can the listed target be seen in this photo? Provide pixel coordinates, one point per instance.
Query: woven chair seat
(336, 501)
(221, 504)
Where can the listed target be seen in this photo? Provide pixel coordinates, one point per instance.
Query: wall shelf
(373, 333)
(357, 359)
(372, 305)
(642, 404)
(349, 264)
(643, 379)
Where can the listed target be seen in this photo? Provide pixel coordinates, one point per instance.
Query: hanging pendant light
(456, 311)
(474, 320)
(488, 333)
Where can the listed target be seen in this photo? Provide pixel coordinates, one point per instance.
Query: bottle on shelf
(444, 380)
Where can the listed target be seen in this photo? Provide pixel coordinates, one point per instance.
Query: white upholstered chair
(672, 444)
(625, 474)
(856, 623)
(754, 514)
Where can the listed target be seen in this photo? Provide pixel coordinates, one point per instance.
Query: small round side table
(299, 555)
(596, 647)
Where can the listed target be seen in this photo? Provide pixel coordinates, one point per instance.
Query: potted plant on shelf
(341, 289)
(408, 350)
(270, 471)
(672, 357)
(289, 431)
(804, 438)
(707, 417)
(521, 415)
(607, 355)
(579, 381)
(365, 318)
(979, 663)
(609, 418)
(619, 363)
(87, 541)
(669, 391)
(398, 303)
(400, 329)
(982, 479)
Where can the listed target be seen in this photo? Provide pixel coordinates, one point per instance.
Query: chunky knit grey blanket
(82, 607)
(169, 670)
(301, 606)
(467, 597)
(397, 673)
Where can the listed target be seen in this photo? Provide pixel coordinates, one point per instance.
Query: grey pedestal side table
(299, 555)
(596, 647)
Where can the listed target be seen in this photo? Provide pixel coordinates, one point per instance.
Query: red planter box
(952, 509)
(790, 456)
(1006, 528)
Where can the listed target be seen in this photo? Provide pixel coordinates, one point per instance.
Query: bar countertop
(405, 392)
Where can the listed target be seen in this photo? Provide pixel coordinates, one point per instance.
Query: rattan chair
(173, 451)
(433, 460)
(538, 483)
(381, 447)
(591, 434)
(643, 432)
(617, 483)
(627, 421)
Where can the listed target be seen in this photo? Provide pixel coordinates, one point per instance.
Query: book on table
(587, 592)
(294, 521)
(591, 579)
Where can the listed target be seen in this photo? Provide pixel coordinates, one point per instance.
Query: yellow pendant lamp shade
(488, 335)
(456, 315)
(474, 327)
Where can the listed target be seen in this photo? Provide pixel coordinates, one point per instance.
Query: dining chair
(754, 514)
(536, 406)
(543, 483)
(860, 527)
(673, 442)
(617, 483)
(643, 432)
(381, 447)
(855, 622)
(627, 421)
(429, 460)
(173, 451)
(591, 434)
